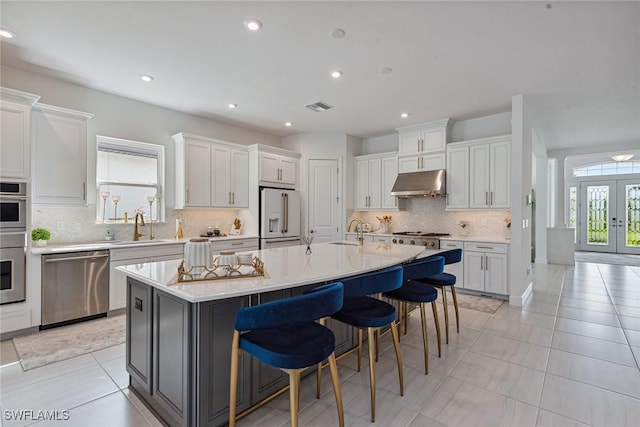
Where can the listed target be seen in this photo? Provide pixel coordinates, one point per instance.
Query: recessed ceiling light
(6, 34)
(253, 24)
(146, 77)
(232, 106)
(404, 115)
(288, 124)
(386, 70)
(338, 33)
(622, 157)
(336, 74)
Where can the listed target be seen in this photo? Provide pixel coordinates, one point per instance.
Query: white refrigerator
(279, 218)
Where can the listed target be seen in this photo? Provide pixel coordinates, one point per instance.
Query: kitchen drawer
(382, 239)
(248, 244)
(451, 244)
(496, 248)
(147, 251)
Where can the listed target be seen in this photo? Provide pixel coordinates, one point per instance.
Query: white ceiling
(577, 63)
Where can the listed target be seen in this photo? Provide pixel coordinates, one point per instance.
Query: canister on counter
(197, 255)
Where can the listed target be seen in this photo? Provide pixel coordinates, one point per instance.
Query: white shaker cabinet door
(14, 134)
(474, 270)
(240, 178)
(500, 175)
(479, 176)
(458, 178)
(495, 273)
(389, 175)
(198, 174)
(288, 171)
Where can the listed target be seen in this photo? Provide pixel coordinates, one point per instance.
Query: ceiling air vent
(319, 106)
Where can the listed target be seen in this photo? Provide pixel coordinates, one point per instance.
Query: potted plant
(40, 236)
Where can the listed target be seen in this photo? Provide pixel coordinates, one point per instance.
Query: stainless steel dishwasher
(74, 286)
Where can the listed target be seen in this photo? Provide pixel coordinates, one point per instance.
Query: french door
(610, 216)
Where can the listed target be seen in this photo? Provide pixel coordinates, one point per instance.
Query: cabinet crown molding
(273, 150)
(436, 124)
(500, 138)
(46, 108)
(376, 155)
(18, 96)
(182, 136)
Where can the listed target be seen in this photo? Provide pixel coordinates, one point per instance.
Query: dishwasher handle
(75, 258)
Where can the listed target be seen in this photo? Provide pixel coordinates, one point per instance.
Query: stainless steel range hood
(420, 184)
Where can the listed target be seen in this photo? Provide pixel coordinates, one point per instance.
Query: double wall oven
(13, 241)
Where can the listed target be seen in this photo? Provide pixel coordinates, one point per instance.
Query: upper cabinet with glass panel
(129, 179)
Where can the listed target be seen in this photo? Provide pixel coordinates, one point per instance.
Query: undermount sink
(344, 243)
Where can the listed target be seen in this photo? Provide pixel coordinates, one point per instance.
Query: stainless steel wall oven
(13, 241)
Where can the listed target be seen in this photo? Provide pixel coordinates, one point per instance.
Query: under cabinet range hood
(419, 184)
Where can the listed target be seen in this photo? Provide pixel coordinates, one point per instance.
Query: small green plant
(40, 234)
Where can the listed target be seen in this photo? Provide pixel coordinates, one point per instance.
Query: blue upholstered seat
(412, 290)
(445, 279)
(285, 334)
(365, 312)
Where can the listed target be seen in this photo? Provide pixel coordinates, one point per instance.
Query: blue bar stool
(443, 280)
(416, 292)
(365, 312)
(284, 334)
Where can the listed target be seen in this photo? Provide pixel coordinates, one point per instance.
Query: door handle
(286, 213)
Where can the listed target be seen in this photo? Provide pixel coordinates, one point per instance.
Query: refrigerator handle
(286, 213)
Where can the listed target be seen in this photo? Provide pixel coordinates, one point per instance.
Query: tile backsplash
(70, 225)
(428, 215)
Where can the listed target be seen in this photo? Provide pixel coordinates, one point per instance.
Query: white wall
(380, 144)
(481, 127)
(521, 183)
(541, 187)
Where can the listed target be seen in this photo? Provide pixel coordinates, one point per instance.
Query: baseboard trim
(520, 300)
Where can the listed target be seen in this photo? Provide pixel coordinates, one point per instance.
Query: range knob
(431, 244)
(400, 241)
(394, 241)
(412, 242)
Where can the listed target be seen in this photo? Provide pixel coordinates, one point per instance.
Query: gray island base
(179, 334)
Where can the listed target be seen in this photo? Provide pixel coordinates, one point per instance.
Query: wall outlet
(60, 225)
(528, 270)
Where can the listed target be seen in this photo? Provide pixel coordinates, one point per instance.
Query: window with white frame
(129, 180)
(607, 168)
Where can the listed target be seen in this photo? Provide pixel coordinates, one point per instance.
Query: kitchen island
(179, 333)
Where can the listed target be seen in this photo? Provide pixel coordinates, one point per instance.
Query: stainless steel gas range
(428, 240)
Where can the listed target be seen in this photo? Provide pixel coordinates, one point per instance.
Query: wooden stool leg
(434, 307)
(446, 313)
(372, 374)
(425, 341)
(455, 305)
(233, 383)
(333, 367)
(396, 345)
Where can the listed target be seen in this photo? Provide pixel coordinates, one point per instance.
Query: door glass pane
(573, 206)
(598, 215)
(632, 202)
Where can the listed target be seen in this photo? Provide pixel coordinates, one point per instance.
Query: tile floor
(569, 357)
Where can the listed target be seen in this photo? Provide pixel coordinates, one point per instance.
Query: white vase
(40, 242)
(197, 256)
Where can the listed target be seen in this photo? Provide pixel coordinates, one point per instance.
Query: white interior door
(324, 201)
(627, 220)
(597, 223)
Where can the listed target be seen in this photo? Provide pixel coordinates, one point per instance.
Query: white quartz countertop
(284, 268)
(120, 244)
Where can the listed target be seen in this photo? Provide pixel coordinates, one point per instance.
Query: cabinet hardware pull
(229, 197)
(418, 149)
(484, 247)
(84, 191)
(187, 196)
(486, 262)
(492, 198)
(233, 198)
(486, 198)
(481, 262)
(237, 244)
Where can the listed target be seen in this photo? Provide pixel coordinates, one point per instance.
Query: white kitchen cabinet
(421, 163)
(139, 255)
(375, 176)
(486, 267)
(478, 174)
(276, 169)
(233, 244)
(458, 177)
(60, 155)
(15, 131)
(456, 269)
(424, 138)
(210, 173)
(489, 170)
